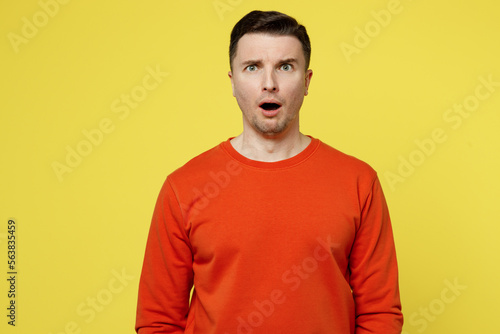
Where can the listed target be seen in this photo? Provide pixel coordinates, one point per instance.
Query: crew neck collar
(286, 163)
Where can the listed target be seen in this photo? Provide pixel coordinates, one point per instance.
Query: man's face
(269, 82)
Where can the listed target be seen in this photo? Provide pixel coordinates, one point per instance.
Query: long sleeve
(167, 274)
(373, 266)
(263, 242)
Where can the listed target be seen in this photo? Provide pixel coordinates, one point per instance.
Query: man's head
(269, 72)
(273, 23)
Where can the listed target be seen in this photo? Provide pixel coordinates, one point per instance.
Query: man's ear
(232, 83)
(308, 77)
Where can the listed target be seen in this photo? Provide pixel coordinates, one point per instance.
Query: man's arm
(374, 271)
(167, 274)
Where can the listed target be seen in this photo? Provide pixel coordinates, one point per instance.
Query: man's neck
(270, 148)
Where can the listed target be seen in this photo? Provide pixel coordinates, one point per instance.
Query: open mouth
(270, 106)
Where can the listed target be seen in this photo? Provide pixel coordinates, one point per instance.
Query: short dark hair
(269, 22)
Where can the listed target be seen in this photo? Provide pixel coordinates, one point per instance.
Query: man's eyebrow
(251, 62)
(258, 61)
(289, 60)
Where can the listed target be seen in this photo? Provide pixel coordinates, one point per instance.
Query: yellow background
(79, 230)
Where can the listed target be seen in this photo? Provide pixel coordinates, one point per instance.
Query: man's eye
(251, 68)
(286, 67)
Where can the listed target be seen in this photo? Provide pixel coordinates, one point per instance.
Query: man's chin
(270, 130)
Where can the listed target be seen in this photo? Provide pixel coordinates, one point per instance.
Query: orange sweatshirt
(303, 245)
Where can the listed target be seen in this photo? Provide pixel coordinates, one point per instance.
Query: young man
(277, 231)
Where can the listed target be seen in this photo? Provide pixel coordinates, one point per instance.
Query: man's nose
(270, 83)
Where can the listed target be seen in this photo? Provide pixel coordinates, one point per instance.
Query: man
(277, 231)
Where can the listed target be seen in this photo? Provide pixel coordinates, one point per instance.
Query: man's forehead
(252, 45)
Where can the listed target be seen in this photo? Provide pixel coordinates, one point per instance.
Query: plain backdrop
(101, 100)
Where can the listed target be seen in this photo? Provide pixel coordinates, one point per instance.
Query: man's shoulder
(201, 163)
(344, 161)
